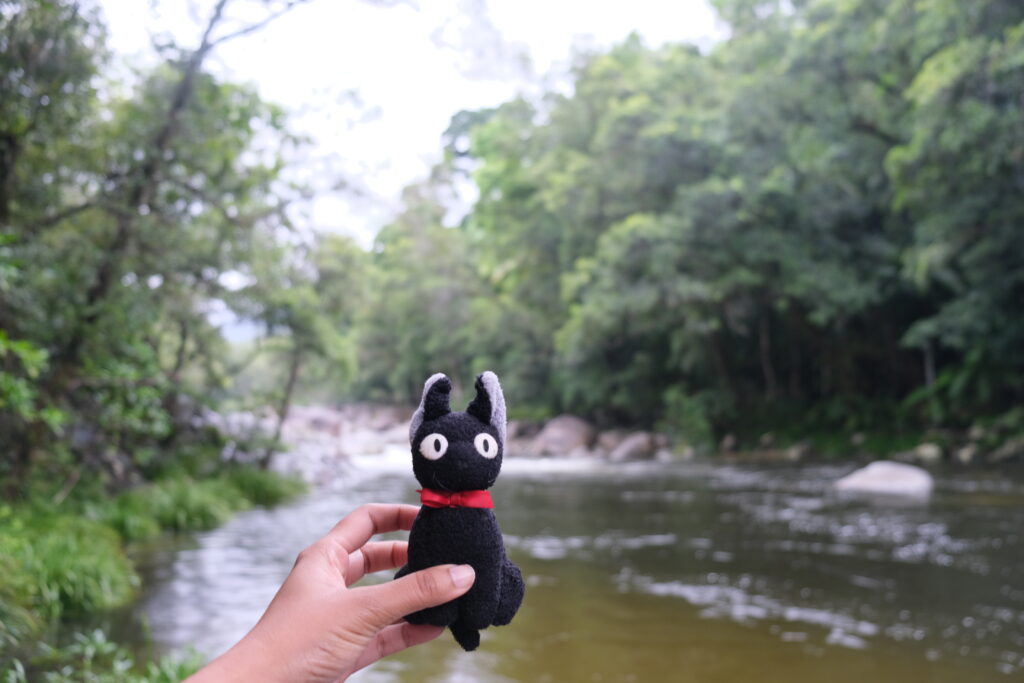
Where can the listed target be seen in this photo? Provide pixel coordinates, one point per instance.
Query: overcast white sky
(412, 67)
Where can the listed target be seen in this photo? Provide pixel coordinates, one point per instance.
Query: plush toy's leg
(466, 636)
(512, 590)
(442, 615)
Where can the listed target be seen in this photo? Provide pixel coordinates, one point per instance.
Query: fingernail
(462, 575)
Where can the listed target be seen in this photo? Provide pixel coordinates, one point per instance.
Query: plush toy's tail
(468, 638)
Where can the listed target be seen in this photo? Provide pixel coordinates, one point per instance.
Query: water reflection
(687, 572)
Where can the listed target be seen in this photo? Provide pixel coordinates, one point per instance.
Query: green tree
(418, 316)
(121, 217)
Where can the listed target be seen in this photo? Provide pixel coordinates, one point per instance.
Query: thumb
(426, 588)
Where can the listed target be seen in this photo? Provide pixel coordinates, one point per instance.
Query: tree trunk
(722, 366)
(767, 368)
(32, 433)
(9, 149)
(141, 194)
(19, 470)
(294, 367)
(170, 400)
(929, 364)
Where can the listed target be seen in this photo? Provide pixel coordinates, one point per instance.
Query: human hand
(317, 628)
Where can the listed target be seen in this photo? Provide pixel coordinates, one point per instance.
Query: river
(684, 572)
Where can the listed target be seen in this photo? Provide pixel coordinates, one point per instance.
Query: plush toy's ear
(434, 403)
(489, 404)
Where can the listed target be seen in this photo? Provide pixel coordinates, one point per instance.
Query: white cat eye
(433, 446)
(486, 445)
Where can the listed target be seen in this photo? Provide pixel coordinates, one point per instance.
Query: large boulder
(1011, 449)
(636, 446)
(967, 454)
(888, 478)
(801, 450)
(609, 440)
(728, 444)
(928, 453)
(977, 433)
(563, 435)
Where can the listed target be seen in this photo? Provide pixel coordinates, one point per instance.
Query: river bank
(65, 558)
(321, 440)
(345, 453)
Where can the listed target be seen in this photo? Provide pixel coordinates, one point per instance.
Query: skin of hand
(317, 628)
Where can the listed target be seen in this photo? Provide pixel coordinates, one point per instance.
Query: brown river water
(687, 572)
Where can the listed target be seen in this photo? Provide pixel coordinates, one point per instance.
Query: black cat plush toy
(456, 457)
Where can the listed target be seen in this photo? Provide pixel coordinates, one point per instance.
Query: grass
(264, 488)
(175, 505)
(18, 621)
(54, 565)
(94, 658)
(182, 504)
(63, 563)
(56, 562)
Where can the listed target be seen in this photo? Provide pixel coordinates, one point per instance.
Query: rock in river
(889, 478)
(563, 435)
(636, 446)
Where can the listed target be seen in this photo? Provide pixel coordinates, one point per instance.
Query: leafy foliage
(263, 488)
(61, 563)
(820, 214)
(129, 211)
(93, 658)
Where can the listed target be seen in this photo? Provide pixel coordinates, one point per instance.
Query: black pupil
(487, 445)
(437, 444)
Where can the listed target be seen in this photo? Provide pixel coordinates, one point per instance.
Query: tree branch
(864, 126)
(140, 194)
(288, 7)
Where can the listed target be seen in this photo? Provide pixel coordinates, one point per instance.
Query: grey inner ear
(493, 389)
(417, 417)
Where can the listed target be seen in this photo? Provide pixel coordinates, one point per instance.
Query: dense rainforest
(817, 224)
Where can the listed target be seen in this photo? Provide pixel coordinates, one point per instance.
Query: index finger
(358, 526)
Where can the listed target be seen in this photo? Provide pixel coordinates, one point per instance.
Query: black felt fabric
(462, 535)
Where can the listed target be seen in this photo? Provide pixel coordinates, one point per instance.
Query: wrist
(248, 660)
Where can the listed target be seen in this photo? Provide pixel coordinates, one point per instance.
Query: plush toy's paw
(466, 636)
(512, 590)
(442, 615)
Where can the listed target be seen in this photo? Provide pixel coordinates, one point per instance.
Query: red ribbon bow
(458, 499)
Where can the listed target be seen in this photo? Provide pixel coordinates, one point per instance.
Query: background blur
(721, 255)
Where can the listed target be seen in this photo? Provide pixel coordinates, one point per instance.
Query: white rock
(520, 448)
(967, 454)
(798, 451)
(563, 435)
(582, 452)
(610, 440)
(636, 446)
(889, 478)
(664, 455)
(928, 453)
(514, 429)
(1012, 448)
